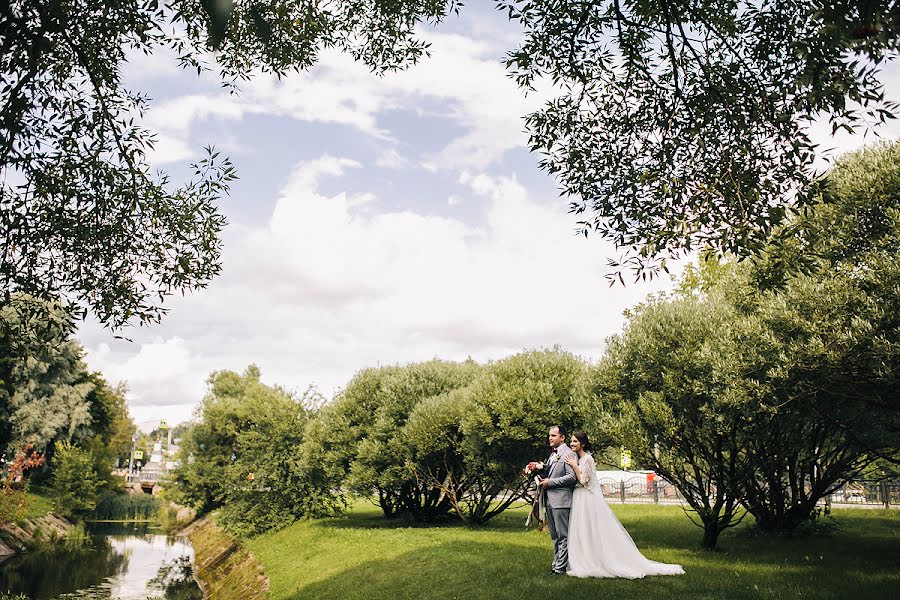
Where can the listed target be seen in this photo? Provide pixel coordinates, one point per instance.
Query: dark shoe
(554, 573)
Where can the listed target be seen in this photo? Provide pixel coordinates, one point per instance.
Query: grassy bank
(38, 502)
(223, 566)
(362, 556)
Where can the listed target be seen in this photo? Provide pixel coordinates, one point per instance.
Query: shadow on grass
(467, 570)
(371, 517)
(859, 561)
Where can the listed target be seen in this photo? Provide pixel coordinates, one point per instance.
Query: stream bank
(225, 569)
(17, 536)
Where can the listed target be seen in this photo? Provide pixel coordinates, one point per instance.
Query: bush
(74, 483)
(437, 437)
(435, 450)
(266, 487)
(358, 440)
(382, 459)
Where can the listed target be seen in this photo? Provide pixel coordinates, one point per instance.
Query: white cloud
(169, 149)
(464, 77)
(327, 287)
(391, 159)
(162, 374)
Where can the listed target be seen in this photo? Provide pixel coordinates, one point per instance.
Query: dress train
(599, 546)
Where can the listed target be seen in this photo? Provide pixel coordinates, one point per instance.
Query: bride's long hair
(583, 438)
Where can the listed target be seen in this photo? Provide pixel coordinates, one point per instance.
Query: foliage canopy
(684, 125)
(678, 125)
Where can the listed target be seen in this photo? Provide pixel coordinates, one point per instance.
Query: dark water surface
(124, 561)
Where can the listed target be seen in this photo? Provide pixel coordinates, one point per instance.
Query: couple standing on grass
(588, 539)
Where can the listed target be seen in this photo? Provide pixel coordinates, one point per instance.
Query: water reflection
(175, 580)
(127, 562)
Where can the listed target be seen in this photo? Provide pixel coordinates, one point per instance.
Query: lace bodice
(587, 470)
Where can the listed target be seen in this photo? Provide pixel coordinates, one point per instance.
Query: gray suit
(558, 500)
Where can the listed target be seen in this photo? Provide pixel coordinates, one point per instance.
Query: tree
(362, 440)
(49, 326)
(670, 389)
(824, 343)
(801, 354)
(244, 454)
(684, 125)
(511, 406)
(332, 439)
(680, 124)
(82, 215)
(820, 352)
(233, 403)
(110, 420)
(436, 452)
(429, 438)
(44, 396)
(266, 486)
(47, 394)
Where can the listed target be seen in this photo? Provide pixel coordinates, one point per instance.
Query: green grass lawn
(362, 555)
(38, 503)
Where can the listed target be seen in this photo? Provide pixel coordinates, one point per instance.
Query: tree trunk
(786, 520)
(711, 533)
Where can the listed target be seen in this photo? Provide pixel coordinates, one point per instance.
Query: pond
(124, 561)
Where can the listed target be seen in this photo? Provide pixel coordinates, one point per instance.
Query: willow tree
(683, 125)
(671, 389)
(82, 214)
(824, 343)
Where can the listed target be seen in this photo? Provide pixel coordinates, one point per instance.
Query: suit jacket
(562, 480)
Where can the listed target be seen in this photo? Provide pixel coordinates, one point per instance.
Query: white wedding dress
(598, 544)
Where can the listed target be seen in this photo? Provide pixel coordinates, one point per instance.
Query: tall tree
(110, 420)
(45, 387)
(826, 347)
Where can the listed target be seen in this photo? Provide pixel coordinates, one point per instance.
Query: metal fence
(145, 476)
(639, 488)
(866, 492)
(650, 488)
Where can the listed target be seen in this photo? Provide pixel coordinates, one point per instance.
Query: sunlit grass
(38, 502)
(363, 556)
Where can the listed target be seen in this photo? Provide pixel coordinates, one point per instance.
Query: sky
(377, 220)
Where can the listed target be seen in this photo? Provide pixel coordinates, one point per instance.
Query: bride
(598, 544)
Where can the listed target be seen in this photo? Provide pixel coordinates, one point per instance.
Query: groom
(557, 490)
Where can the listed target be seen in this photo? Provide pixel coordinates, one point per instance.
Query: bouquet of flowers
(536, 515)
(532, 468)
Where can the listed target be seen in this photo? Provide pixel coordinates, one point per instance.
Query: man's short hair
(562, 430)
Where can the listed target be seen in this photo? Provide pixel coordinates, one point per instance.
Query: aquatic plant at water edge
(125, 507)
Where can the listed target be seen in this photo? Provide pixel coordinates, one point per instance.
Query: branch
(107, 114)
